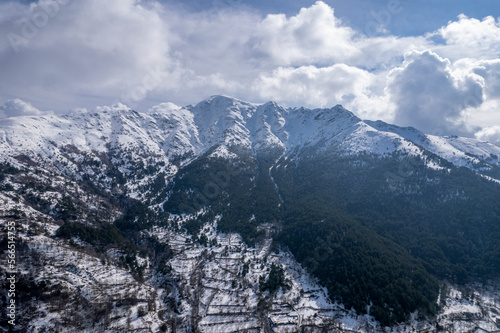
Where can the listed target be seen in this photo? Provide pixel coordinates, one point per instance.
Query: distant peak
(336, 112)
(271, 103)
(221, 104)
(383, 126)
(218, 102)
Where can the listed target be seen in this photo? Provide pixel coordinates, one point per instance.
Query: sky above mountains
(434, 65)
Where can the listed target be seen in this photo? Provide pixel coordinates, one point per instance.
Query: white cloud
(17, 107)
(490, 71)
(313, 36)
(386, 52)
(167, 107)
(315, 86)
(429, 95)
(470, 38)
(214, 42)
(94, 50)
(490, 134)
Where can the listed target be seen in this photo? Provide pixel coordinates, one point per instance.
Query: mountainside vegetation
(383, 231)
(379, 233)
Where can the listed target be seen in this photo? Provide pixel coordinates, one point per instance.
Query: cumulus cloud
(490, 134)
(167, 107)
(490, 71)
(429, 95)
(17, 107)
(315, 86)
(470, 38)
(354, 88)
(313, 36)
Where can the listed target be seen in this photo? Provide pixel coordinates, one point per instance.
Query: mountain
(231, 216)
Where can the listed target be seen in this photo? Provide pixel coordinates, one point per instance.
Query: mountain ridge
(188, 130)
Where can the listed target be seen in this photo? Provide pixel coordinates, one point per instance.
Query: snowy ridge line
(221, 122)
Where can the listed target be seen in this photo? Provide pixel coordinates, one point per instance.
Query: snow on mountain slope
(235, 122)
(457, 150)
(308, 127)
(222, 120)
(267, 126)
(181, 137)
(214, 289)
(135, 153)
(164, 134)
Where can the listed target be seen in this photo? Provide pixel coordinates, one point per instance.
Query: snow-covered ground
(206, 288)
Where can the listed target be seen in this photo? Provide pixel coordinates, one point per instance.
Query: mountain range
(231, 216)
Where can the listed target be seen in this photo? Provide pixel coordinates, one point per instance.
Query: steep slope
(467, 152)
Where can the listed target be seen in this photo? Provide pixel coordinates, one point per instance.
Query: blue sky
(433, 64)
(417, 17)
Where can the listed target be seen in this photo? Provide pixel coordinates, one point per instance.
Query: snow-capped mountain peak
(221, 120)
